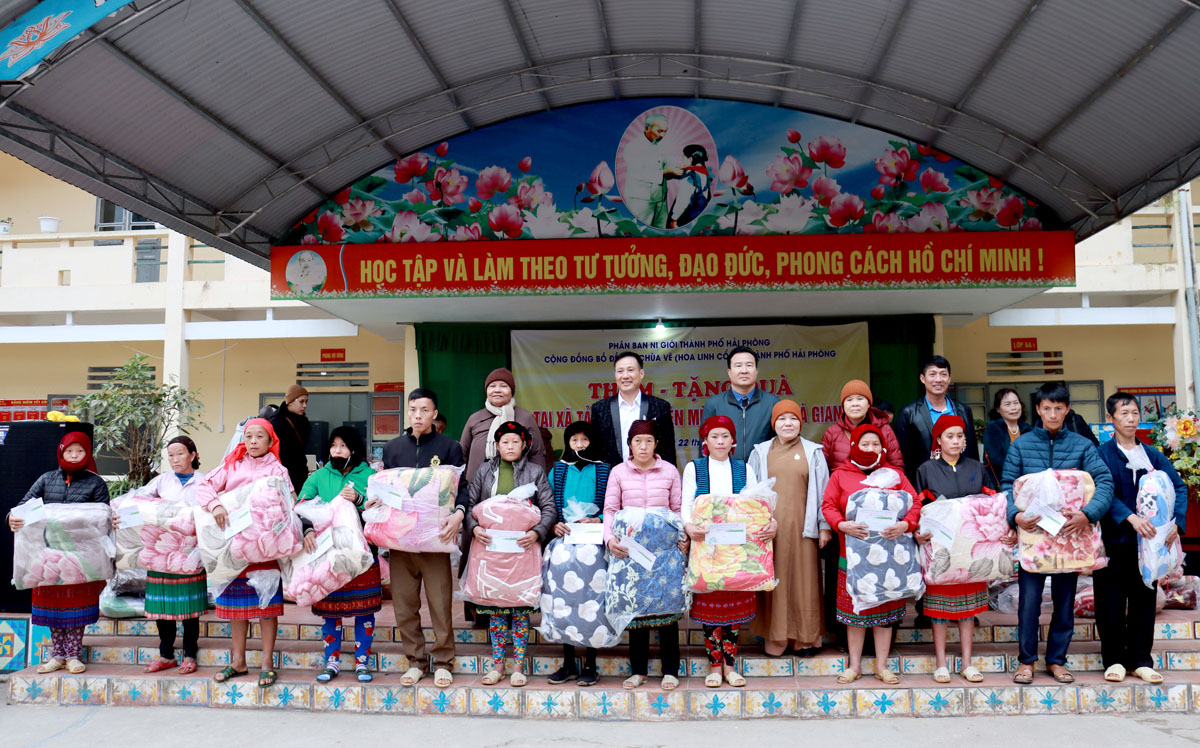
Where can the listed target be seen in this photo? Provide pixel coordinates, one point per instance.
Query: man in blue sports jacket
(1050, 446)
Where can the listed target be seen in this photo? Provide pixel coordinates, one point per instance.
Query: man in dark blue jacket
(744, 402)
(1050, 446)
(1125, 606)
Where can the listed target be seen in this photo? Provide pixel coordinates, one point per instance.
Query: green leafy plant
(132, 415)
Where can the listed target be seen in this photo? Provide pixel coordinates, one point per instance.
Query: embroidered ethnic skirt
(724, 608)
(67, 605)
(360, 596)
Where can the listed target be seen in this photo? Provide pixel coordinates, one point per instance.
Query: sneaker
(588, 677)
(562, 675)
(364, 674)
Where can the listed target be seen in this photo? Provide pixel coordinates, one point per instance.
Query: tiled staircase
(776, 686)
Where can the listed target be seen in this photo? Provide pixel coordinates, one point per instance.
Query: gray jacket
(818, 478)
(482, 487)
(753, 423)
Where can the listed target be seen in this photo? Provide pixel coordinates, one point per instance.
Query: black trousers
(1124, 610)
(166, 638)
(829, 561)
(668, 649)
(589, 658)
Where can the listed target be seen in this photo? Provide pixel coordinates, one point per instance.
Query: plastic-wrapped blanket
(71, 546)
(165, 542)
(125, 594)
(416, 501)
(573, 582)
(631, 591)
(880, 570)
(1181, 592)
(1039, 551)
(505, 579)
(309, 580)
(749, 567)
(974, 526)
(274, 532)
(1156, 503)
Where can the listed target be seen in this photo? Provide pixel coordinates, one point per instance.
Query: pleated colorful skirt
(67, 605)
(175, 597)
(360, 596)
(239, 601)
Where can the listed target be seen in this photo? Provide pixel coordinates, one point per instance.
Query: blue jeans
(1062, 621)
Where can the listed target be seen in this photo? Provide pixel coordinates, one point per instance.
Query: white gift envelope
(31, 511)
(876, 520)
(129, 516)
(726, 533)
(941, 534)
(238, 520)
(589, 533)
(392, 498)
(324, 543)
(505, 541)
(638, 553)
(1051, 521)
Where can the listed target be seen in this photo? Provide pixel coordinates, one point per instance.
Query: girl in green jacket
(343, 477)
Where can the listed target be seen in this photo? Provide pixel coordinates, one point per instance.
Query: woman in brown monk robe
(790, 615)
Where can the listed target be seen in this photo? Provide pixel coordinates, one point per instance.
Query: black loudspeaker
(29, 449)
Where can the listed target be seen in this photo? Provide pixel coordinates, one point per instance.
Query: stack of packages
(341, 555)
(1156, 503)
(273, 533)
(573, 579)
(165, 541)
(880, 570)
(634, 591)
(1051, 492)
(967, 540)
(495, 575)
(70, 546)
(415, 503)
(749, 567)
(125, 594)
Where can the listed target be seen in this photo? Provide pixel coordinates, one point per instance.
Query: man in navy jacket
(1050, 446)
(1125, 606)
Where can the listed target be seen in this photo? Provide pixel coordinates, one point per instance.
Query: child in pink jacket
(256, 457)
(645, 481)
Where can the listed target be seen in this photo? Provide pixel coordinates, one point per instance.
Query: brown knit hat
(786, 406)
(639, 428)
(500, 375)
(856, 387)
(294, 392)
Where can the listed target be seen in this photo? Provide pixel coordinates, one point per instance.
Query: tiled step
(814, 698)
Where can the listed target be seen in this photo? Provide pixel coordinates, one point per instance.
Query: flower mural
(814, 175)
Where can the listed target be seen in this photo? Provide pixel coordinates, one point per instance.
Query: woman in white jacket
(790, 615)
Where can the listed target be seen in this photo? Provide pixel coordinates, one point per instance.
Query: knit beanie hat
(638, 428)
(856, 387)
(293, 392)
(944, 423)
(786, 406)
(500, 375)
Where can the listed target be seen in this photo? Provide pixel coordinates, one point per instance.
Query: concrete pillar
(412, 369)
(939, 336)
(175, 345)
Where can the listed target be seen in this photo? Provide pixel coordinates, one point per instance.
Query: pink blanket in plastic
(504, 579)
(1042, 553)
(274, 530)
(309, 580)
(416, 501)
(165, 542)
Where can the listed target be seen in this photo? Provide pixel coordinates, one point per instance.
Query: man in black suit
(612, 416)
(914, 422)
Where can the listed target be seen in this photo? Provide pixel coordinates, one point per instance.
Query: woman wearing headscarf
(292, 430)
(499, 405)
(176, 597)
(867, 454)
(67, 608)
(256, 457)
(790, 615)
(343, 477)
(499, 476)
(578, 480)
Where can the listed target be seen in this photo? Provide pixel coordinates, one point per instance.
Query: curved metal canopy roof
(228, 119)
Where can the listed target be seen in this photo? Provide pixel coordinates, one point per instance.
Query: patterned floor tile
(595, 704)
(1164, 698)
(655, 705)
(917, 664)
(1004, 634)
(883, 702)
(769, 703)
(1001, 700)
(1105, 698)
(83, 690)
(820, 666)
(33, 689)
(112, 655)
(288, 696)
(14, 644)
(39, 644)
(471, 636)
(914, 636)
(432, 700)
(103, 627)
(983, 634)
(822, 704)
(1085, 662)
(184, 692)
(768, 666)
(613, 666)
(868, 665)
(240, 694)
(133, 691)
(715, 704)
(1172, 631)
(310, 632)
(466, 664)
(1195, 699)
(302, 660)
(546, 665)
(1050, 699)
(136, 627)
(389, 699)
(496, 702)
(221, 630)
(939, 702)
(213, 657)
(1084, 632)
(985, 663)
(550, 704)
(330, 698)
(392, 663)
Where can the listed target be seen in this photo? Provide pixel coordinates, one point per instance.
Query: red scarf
(861, 458)
(88, 462)
(240, 450)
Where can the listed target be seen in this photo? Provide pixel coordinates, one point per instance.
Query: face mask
(339, 463)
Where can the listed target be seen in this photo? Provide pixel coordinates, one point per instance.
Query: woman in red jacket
(867, 453)
(856, 409)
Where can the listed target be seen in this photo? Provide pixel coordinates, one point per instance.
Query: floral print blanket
(70, 546)
(574, 578)
(966, 544)
(164, 542)
(749, 567)
(880, 570)
(1156, 502)
(1042, 553)
(631, 591)
(425, 497)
